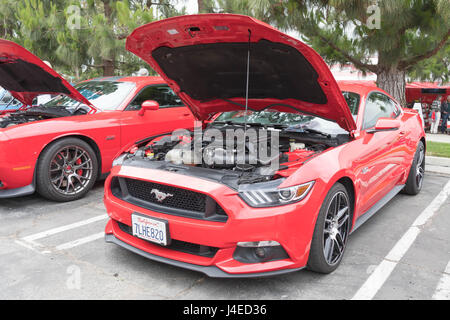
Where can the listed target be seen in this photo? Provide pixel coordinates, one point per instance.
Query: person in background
(436, 110)
(44, 97)
(445, 111)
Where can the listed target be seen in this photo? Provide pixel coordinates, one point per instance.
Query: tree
(108, 23)
(435, 69)
(83, 39)
(347, 31)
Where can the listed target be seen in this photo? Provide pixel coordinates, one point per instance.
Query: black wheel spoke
(420, 171)
(342, 221)
(329, 248)
(340, 242)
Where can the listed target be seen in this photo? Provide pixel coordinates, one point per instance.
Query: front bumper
(210, 271)
(17, 192)
(292, 226)
(16, 174)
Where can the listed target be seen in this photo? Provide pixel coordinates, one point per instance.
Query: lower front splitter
(210, 271)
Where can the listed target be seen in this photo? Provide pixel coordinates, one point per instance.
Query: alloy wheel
(336, 228)
(71, 170)
(420, 170)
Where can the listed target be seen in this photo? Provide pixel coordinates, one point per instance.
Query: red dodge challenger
(341, 151)
(62, 147)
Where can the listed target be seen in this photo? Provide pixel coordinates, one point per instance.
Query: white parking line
(31, 243)
(376, 280)
(443, 289)
(81, 241)
(51, 232)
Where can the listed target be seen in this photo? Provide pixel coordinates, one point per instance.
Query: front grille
(168, 199)
(178, 198)
(177, 245)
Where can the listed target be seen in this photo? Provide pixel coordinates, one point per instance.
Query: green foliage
(410, 34)
(412, 38)
(94, 46)
(437, 68)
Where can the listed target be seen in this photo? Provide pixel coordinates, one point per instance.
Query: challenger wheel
(331, 231)
(417, 172)
(67, 170)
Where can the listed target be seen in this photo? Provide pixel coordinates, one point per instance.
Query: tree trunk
(108, 64)
(393, 81)
(201, 6)
(108, 68)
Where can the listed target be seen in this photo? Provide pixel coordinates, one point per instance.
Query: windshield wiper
(228, 122)
(254, 124)
(308, 130)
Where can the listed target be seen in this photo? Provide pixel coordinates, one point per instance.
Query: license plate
(150, 229)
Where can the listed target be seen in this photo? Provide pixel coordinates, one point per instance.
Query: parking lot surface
(57, 251)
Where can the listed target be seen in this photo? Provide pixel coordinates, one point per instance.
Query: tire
(67, 169)
(329, 240)
(416, 173)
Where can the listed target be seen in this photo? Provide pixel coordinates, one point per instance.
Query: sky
(191, 5)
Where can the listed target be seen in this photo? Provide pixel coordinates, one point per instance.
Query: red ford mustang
(62, 147)
(343, 150)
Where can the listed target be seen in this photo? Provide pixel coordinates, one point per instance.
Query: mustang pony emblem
(160, 196)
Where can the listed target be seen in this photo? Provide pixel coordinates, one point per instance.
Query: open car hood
(26, 76)
(204, 60)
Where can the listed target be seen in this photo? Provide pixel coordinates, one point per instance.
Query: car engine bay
(233, 162)
(40, 113)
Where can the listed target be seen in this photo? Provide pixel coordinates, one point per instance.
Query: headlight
(267, 194)
(119, 160)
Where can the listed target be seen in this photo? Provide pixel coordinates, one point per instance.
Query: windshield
(7, 101)
(263, 117)
(104, 95)
(291, 121)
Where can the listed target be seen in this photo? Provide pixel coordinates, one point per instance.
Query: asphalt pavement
(56, 251)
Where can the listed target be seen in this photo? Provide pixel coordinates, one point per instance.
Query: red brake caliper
(80, 171)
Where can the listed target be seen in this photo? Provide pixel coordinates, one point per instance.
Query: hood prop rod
(247, 84)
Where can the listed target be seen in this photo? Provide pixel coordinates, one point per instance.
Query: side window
(161, 94)
(353, 100)
(378, 105)
(395, 108)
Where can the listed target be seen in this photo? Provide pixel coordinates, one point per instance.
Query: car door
(172, 115)
(382, 153)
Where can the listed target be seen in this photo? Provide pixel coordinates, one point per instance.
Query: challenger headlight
(267, 194)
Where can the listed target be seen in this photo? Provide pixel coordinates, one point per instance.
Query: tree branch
(94, 65)
(122, 36)
(356, 62)
(405, 64)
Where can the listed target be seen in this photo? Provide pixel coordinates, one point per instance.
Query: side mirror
(148, 105)
(385, 124)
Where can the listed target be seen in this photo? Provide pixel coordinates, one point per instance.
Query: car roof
(362, 87)
(359, 86)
